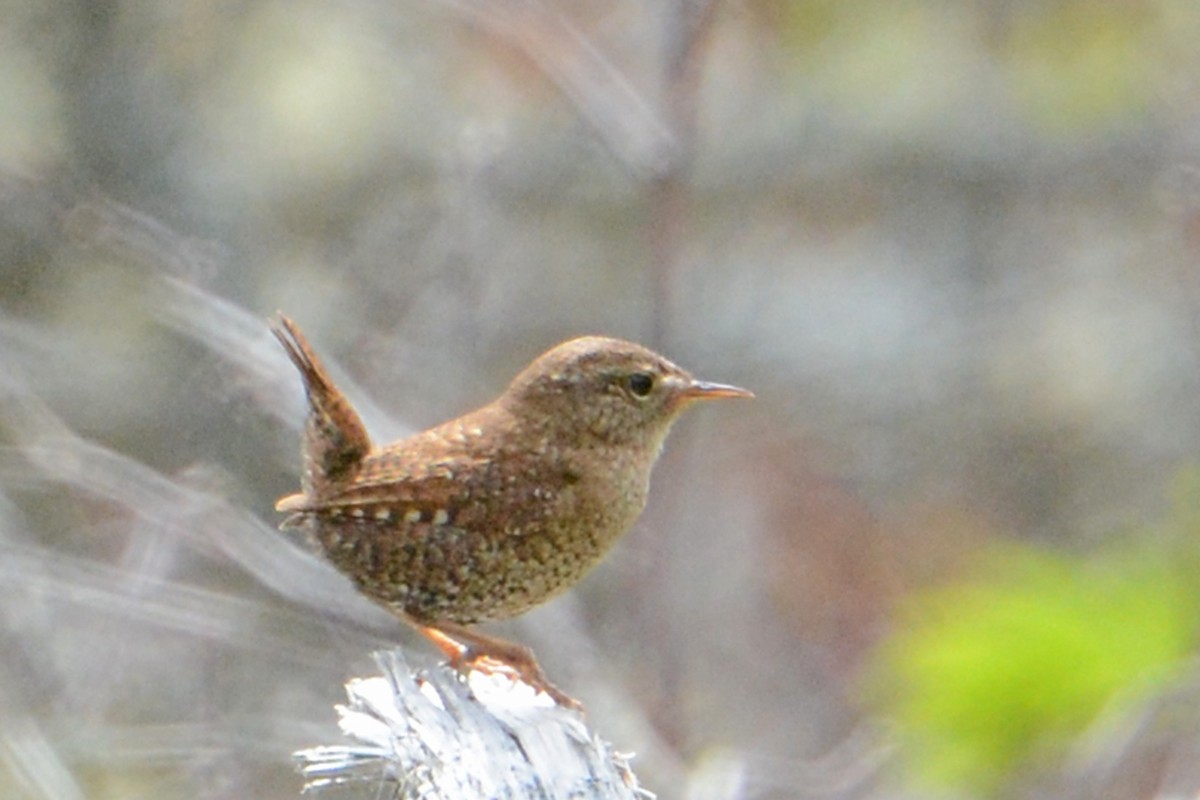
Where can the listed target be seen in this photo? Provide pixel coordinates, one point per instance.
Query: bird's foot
(470, 651)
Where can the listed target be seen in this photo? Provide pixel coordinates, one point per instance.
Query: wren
(490, 514)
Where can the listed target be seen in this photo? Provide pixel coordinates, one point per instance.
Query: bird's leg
(471, 650)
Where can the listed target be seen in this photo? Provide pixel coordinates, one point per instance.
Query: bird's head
(607, 389)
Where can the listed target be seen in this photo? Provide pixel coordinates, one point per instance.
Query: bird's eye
(640, 383)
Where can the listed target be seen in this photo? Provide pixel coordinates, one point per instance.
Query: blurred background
(949, 551)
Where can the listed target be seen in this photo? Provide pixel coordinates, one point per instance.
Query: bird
(497, 511)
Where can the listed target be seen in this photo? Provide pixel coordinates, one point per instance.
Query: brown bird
(488, 515)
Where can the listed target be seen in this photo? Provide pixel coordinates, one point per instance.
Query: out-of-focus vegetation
(1001, 673)
(952, 247)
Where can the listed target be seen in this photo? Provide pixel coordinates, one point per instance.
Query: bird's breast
(485, 540)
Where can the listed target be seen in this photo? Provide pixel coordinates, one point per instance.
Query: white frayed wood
(429, 734)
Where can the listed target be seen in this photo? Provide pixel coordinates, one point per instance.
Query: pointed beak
(703, 390)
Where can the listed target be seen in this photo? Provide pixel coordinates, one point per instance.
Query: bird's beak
(703, 390)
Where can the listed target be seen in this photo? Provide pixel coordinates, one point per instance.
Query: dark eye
(640, 383)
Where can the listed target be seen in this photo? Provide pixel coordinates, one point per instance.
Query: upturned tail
(335, 440)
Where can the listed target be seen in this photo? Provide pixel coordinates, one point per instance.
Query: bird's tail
(335, 440)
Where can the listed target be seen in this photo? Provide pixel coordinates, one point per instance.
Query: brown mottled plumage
(485, 516)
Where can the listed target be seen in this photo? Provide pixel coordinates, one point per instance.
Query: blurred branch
(431, 735)
(686, 32)
(48, 451)
(29, 755)
(240, 338)
(35, 572)
(685, 36)
(63, 206)
(1144, 730)
(625, 122)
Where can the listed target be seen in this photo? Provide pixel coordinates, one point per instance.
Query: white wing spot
(412, 515)
(441, 517)
(383, 513)
(358, 513)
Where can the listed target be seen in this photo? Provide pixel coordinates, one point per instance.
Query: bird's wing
(400, 480)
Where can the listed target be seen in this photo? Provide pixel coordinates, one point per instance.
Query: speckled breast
(465, 565)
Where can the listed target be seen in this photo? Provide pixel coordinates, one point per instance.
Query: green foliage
(993, 676)
(1079, 64)
(1063, 67)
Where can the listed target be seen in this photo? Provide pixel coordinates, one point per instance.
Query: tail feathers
(336, 440)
